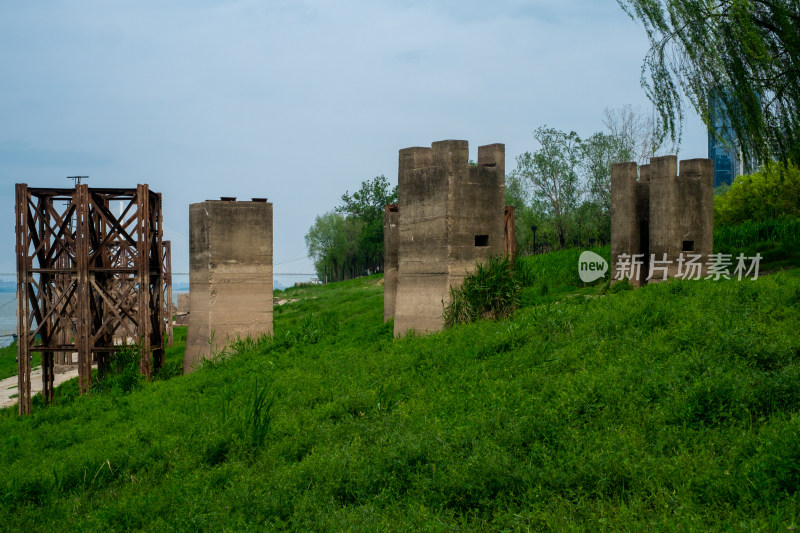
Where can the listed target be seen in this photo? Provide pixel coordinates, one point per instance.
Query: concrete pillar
(451, 216)
(183, 312)
(390, 242)
(230, 276)
(422, 189)
(664, 209)
(476, 212)
(627, 230)
(681, 210)
(696, 196)
(663, 214)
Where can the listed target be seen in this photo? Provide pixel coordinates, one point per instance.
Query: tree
(599, 152)
(518, 194)
(743, 53)
(553, 173)
(367, 205)
(331, 242)
(630, 136)
(635, 135)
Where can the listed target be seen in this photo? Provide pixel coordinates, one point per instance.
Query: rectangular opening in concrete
(481, 240)
(688, 246)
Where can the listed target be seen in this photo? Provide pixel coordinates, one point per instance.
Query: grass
(548, 278)
(490, 292)
(777, 240)
(8, 360)
(675, 405)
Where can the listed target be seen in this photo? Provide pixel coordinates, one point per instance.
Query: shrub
(489, 292)
(123, 372)
(770, 193)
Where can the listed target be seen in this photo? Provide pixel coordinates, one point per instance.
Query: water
(8, 317)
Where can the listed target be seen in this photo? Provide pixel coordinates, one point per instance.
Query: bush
(490, 292)
(770, 193)
(123, 372)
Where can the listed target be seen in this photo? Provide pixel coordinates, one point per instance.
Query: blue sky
(294, 101)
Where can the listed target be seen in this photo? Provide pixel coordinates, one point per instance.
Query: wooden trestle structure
(88, 280)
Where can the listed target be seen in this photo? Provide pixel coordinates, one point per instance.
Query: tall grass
(784, 231)
(490, 292)
(777, 240)
(123, 372)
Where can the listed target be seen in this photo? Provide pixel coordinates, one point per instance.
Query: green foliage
(367, 206)
(368, 202)
(246, 426)
(769, 194)
(123, 372)
(310, 330)
(518, 195)
(747, 54)
(348, 242)
(564, 187)
(670, 407)
(332, 242)
(785, 230)
(760, 213)
(777, 241)
(490, 292)
(547, 277)
(552, 171)
(8, 360)
(173, 356)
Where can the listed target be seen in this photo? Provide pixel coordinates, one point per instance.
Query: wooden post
(23, 310)
(168, 289)
(84, 318)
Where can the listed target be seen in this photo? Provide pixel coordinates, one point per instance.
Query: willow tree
(745, 54)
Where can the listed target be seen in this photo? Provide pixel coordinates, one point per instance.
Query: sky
(299, 101)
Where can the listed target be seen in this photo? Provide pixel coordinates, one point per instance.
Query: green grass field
(672, 406)
(8, 360)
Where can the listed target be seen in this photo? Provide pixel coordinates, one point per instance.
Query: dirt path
(8, 386)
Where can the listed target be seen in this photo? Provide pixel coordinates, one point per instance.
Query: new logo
(591, 267)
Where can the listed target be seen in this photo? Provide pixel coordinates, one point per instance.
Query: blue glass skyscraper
(724, 151)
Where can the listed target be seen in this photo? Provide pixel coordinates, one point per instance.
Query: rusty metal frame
(166, 268)
(85, 274)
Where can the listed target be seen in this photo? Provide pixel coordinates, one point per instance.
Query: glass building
(725, 151)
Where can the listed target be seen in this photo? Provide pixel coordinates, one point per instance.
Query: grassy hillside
(673, 405)
(8, 360)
